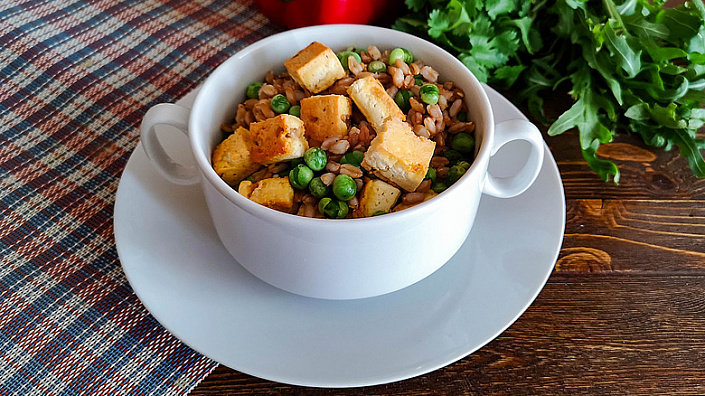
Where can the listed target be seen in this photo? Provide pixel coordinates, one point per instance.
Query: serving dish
(178, 268)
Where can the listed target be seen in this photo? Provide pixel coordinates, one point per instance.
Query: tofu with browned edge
(374, 102)
(231, 158)
(326, 116)
(275, 193)
(398, 156)
(315, 67)
(278, 139)
(377, 196)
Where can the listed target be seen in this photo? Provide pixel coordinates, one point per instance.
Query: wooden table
(623, 312)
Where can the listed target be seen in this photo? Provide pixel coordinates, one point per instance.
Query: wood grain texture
(585, 334)
(622, 314)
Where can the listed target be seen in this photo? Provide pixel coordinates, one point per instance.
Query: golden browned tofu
(231, 158)
(315, 67)
(277, 139)
(275, 193)
(428, 195)
(326, 116)
(377, 196)
(374, 102)
(245, 188)
(398, 156)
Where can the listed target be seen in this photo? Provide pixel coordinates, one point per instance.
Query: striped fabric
(76, 77)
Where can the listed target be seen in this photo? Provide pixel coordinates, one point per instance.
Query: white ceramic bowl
(349, 258)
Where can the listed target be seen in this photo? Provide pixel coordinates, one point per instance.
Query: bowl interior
(219, 97)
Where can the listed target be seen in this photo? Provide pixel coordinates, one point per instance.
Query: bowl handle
(509, 131)
(177, 117)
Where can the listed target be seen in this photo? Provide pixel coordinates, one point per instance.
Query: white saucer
(193, 287)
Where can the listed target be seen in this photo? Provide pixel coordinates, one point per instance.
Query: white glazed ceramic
(181, 272)
(338, 259)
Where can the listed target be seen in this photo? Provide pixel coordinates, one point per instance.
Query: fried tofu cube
(231, 158)
(374, 102)
(275, 193)
(326, 116)
(277, 139)
(315, 67)
(245, 188)
(377, 196)
(428, 195)
(398, 156)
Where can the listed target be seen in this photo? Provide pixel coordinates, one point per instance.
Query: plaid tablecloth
(76, 78)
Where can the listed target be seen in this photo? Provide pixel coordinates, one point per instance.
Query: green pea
(462, 117)
(438, 187)
(353, 158)
(453, 155)
(402, 99)
(315, 158)
(280, 104)
(253, 90)
(317, 188)
(332, 208)
(300, 176)
(418, 80)
(377, 67)
(464, 164)
(343, 57)
(463, 142)
(408, 56)
(430, 175)
(344, 187)
(296, 161)
(295, 111)
(455, 173)
(400, 53)
(429, 93)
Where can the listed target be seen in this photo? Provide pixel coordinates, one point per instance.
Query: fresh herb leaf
(630, 66)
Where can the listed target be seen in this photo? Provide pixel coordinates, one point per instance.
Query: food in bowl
(356, 134)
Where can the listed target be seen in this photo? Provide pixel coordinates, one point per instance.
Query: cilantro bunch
(631, 66)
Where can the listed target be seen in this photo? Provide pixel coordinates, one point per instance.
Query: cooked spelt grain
(360, 184)
(457, 127)
(354, 66)
(240, 115)
(429, 74)
(339, 147)
(412, 198)
(267, 91)
(438, 161)
(325, 145)
(455, 108)
(435, 111)
(353, 203)
(430, 125)
(424, 187)
(401, 65)
(332, 166)
(350, 170)
(374, 52)
(327, 178)
(416, 105)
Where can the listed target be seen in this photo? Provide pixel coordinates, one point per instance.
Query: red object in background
(299, 13)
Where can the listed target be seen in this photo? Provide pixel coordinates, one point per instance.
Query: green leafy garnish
(633, 66)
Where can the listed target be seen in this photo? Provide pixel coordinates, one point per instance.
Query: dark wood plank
(585, 334)
(655, 236)
(646, 172)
